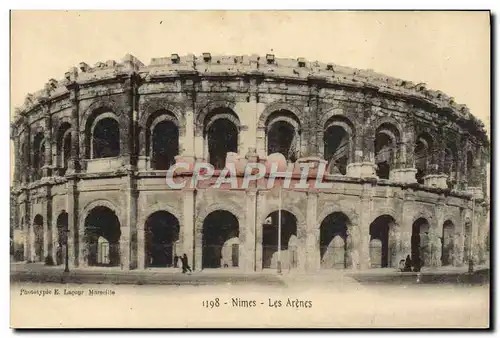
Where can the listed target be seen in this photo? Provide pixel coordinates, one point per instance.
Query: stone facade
(404, 160)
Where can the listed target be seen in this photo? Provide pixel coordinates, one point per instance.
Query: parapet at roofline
(281, 68)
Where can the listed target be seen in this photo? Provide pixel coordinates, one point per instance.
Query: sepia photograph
(250, 169)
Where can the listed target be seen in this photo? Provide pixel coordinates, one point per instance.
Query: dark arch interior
(62, 227)
(162, 232)
(106, 138)
(103, 222)
(379, 231)
(336, 152)
(384, 149)
(270, 236)
(449, 166)
(422, 155)
(419, 226)
(218, 227)
(282, 139)
(222, 138)
(333, 240)
(39, 155)
(165, 145)
(66, 152)
(64, 146)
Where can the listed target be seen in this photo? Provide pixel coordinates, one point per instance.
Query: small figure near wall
(185, 265)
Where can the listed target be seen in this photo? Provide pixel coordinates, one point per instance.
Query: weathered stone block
(362, 170)
(436, 181)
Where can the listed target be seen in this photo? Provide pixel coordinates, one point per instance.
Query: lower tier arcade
(137, 223)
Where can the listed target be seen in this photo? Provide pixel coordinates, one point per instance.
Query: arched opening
(63, 147)
(447, 243)
(62, 237)
(382, 244)
(220, 240)
(419, 242)
(105, 138)
(423, 153)
(162, 235)
(165, 144)
(282, 130)
(336, 142)
(39, 155)
(38, 238)
(221, 136)
(386, 140)
(333, 241)
(102, 222)
(288, 253)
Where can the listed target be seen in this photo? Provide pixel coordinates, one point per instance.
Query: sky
(449, 51)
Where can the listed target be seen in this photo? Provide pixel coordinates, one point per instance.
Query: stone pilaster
(365, 216)
(128, 238)
(32, 246)
(248, 115)
(47, 223)
(141, 246)
(187, 134)
(188, 228)
(249, 245)
(47, 166)
(261, 142)
(55, 238)
(27, 226)
(313, 107)
(312, 234)
(458, 249)
(435, 249)
(74, 162)
(27, 151)
(301, 247)
(74, 240)
(199, 147)
(127, 126)
(17, 161)
(261, 200)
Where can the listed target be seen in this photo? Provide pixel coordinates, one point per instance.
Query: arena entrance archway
(62, 240)
(221, 133)
(162, 235)
(38, 238)
(220, 240)
(333, 241)
(447, 245)
(102, 237)
(419, 241)
(288, 254)
(381, 253)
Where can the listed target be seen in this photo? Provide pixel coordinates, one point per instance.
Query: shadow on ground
(141, 279)
(479, 277)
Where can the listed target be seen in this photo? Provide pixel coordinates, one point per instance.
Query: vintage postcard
(250, 169)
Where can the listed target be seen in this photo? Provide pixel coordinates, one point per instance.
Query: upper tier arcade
(362, 123)
(207, 65)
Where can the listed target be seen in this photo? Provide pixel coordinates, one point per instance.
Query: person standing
(185, 265)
